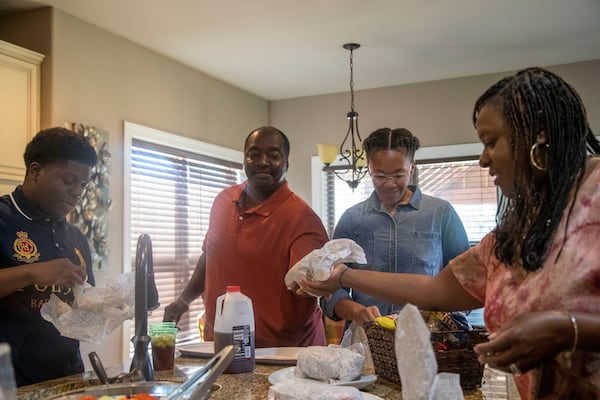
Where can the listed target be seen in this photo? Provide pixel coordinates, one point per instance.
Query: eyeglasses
(380, 179)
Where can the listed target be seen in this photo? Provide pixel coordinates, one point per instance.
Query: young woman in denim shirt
(399, 228)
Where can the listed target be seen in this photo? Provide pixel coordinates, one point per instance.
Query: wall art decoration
(91, 214)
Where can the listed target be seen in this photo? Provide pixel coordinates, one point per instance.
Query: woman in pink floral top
(538, 272)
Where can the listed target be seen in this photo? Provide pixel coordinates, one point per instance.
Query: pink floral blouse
(571, 283)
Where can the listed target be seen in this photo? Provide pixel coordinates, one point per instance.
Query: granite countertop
(255, 385)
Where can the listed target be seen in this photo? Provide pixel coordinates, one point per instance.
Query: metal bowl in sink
(159, 389)
(197, 387)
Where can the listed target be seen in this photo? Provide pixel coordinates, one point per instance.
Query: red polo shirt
(255, 249)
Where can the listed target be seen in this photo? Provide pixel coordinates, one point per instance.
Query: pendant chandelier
(352, 161)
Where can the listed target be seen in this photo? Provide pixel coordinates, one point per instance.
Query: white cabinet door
(19, 109)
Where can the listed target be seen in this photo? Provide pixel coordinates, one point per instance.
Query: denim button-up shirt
(420, 238)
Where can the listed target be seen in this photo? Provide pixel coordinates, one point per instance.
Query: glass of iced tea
(162, 341)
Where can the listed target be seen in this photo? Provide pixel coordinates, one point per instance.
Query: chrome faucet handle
(135, 375)
(128, 377)
(98, 367)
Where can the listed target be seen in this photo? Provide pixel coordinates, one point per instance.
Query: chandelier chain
(351, 80)
(351, 156)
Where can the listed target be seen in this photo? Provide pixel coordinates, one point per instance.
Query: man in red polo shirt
(258, 230)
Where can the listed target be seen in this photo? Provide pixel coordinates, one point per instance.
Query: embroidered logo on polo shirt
(25, 249)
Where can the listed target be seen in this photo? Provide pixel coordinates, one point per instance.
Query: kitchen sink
(157, 388)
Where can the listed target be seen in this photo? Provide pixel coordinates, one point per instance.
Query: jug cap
(233, 289)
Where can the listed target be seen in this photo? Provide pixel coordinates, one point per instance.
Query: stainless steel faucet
(146, 299)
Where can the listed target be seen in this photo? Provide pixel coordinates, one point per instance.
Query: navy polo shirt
(39, 352)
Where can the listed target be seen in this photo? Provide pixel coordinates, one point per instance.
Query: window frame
(133, 131)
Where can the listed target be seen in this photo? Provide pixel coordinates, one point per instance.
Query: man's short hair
(272, 129)
(59, 145)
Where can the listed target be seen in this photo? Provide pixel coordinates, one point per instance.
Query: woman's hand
(526, 342)
(365, 315)
(326, 287)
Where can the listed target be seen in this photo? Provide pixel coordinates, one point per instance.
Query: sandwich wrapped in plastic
(95, 312)
(331, 363)
(446, 386)
(317, 264)
(417, 364)
(291, 390)
(352, 336)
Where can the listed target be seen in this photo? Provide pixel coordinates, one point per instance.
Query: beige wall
(438, 112)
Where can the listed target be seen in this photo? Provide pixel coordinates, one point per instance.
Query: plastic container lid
(233, 289)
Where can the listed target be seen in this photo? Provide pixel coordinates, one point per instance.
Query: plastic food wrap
(417, 365)
(331, 363)
(318, 263)
(312, 391)
(96, 311)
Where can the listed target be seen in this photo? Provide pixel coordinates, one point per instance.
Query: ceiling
(279, 49)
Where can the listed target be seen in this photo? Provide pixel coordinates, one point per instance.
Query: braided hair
(391, 139)
(535, 101)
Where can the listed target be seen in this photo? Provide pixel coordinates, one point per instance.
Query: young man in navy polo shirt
(42, 254)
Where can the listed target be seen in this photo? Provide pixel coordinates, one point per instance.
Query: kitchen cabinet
(19, 109)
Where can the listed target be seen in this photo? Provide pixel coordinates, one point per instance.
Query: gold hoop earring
(532, 159)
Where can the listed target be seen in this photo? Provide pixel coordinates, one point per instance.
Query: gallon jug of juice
(234, 324)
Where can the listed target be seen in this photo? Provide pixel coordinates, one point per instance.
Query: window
(448, 172)
(470, 190)
(172, 183)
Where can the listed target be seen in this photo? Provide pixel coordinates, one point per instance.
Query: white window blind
(466, 185)
(338, 196)
(172, 192)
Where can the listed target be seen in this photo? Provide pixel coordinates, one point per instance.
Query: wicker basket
(457, 359)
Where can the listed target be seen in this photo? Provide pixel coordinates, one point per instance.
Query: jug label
(241, 338)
